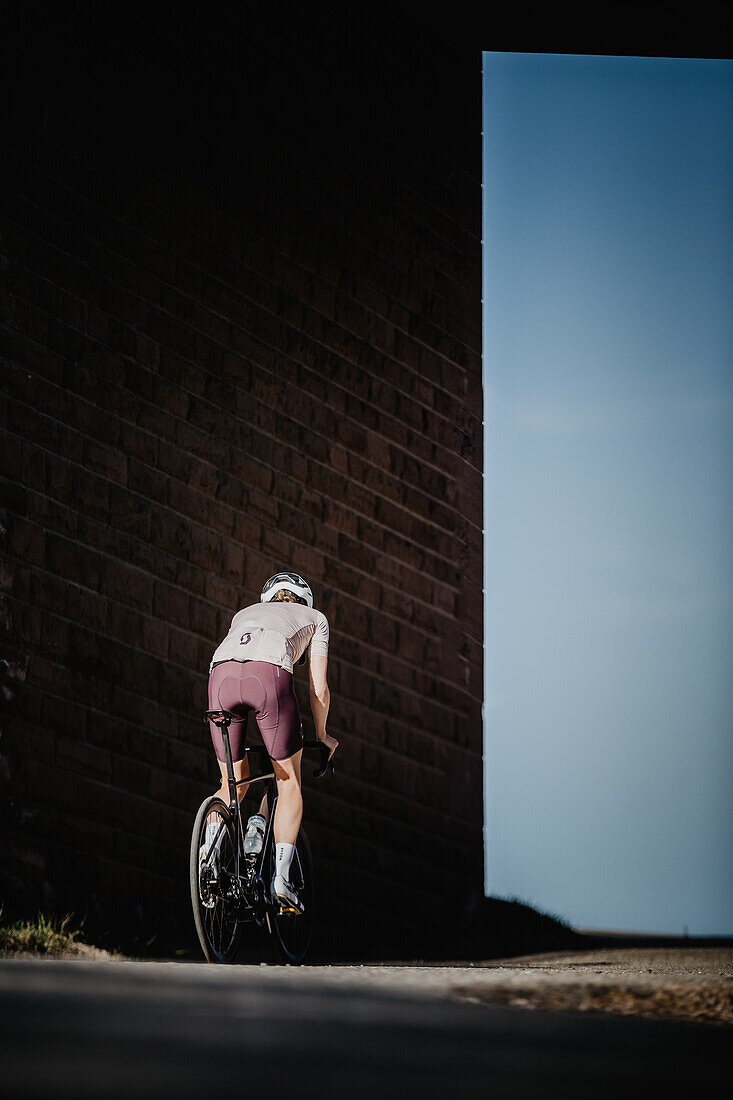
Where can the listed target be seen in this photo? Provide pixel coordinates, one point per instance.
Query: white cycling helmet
(292, 582)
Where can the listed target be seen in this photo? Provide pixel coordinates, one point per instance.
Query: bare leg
(289, 805)
(241, 771)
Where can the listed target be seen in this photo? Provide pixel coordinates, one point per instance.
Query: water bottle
(255, 835)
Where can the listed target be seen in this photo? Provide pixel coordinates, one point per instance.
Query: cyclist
(253, 668)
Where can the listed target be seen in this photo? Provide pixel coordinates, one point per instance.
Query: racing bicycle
(230, 891)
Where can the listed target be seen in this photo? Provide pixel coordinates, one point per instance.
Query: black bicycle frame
(223, 719)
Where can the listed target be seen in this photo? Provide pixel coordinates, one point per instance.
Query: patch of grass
(532, 912)
(42, 935)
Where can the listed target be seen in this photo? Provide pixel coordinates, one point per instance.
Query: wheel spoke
(211, 882)
(291, 932)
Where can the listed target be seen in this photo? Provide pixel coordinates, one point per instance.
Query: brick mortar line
(68, 814)
(343, 662)
(232, 257)
(108, 785)
(416, 340)
(400, 798)
(266, 311)
(50, 657)
(426, 462)
(92, 820)
(47, 693)
(340, 658)
(400, 207)
(444, 742)
(423, 140)
(397, 211)
(130, 565)
(184, 846)
(54, 736)
(390, 356)
(280, 473)
(285, 476)
(202, 370)
(426, 152)
(206, 747)
(377, 496)
(296, 541)
(428, 203)
(277, 471)
(373, 185)
(331, 862)
(423, 166)
(25, 337)
(267, 178)
(322, 792)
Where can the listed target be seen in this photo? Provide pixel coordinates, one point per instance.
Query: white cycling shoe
(210, 835)
(284, 894)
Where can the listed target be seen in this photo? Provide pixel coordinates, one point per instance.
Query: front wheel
(291, 932)
(214, 886)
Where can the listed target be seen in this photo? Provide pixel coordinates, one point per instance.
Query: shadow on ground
(492, 929)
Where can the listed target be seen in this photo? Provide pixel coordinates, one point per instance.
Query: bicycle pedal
(289, 909)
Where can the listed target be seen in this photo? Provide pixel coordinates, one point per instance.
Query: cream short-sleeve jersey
(276, 632)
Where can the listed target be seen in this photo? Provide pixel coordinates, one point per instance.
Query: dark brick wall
(240, 332)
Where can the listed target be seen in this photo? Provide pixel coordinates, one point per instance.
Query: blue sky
(608, 379)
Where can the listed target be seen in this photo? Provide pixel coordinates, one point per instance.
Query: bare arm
(320, 698)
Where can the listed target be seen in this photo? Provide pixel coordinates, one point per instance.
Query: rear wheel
(214, 888)
(291, 932)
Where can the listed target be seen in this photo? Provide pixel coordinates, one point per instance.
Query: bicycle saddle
(221, 717)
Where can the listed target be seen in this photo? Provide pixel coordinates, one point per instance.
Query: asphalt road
(146, 1029)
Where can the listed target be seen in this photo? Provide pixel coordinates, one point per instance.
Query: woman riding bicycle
(253, 669)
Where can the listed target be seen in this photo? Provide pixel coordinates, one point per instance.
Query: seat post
(224, 727)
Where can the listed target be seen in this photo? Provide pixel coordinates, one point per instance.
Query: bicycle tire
(290, 933)
(214, 915)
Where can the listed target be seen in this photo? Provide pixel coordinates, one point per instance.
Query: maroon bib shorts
(268, 690)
